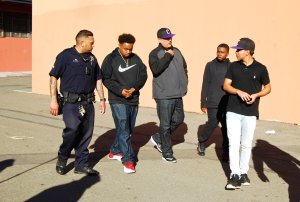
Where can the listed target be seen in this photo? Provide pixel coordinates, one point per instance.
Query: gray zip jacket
(170, 77)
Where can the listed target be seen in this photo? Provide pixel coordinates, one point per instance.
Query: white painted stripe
(7, 74)
(23, 91)
(20, 137)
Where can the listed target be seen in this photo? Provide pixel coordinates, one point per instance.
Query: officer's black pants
(77, 133)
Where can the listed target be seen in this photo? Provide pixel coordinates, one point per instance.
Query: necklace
(126, 61)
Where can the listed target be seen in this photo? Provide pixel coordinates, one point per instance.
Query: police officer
(80, 74)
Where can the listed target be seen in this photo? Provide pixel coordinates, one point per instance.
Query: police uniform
(78, 74)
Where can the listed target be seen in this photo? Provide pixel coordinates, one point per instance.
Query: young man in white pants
(246, 81)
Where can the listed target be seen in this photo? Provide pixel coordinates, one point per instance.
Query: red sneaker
(112, 156)
(129, 167)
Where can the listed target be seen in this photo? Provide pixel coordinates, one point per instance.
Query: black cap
(245, 44)
(164, 33)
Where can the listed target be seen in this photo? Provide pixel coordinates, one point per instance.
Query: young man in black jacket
(214, 99)
(170, 81)
(124, 74)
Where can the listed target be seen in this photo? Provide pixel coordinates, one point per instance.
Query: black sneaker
(170, 159)
(233, 183)
(201, 148)
(245, 180)
(155, 142)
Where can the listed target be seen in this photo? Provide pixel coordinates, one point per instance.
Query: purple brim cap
(237, 47)
(168, 36)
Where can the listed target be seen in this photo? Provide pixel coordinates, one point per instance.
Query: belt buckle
(79, 99)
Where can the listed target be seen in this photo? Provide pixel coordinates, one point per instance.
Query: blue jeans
(171, 115)
(124, 117)
(240, 131)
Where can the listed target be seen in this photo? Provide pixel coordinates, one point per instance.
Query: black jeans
(215, 116)
(171, 115)
(77, 133)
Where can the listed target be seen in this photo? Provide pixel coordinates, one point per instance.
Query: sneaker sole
(174, 161)
(128, 171)
(231, 187)
(115, 158)
(155, 144)
(246, 183)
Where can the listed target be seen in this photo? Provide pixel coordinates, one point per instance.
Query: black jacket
(170, 78)
(116, 77)
(212, 86)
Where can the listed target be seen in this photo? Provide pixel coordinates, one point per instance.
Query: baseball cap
(164, 33)
(245, 44)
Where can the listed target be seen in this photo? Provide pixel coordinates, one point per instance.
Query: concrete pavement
(30, 137)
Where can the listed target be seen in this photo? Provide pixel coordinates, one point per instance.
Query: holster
(61, 102)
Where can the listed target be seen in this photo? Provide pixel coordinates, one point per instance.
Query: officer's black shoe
(201, 148)
(86, 170)
(61, 166)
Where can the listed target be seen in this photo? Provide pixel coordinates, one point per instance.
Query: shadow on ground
(6, 163)
(66, 192)
(140, 137)
(282, 163)
(217, 139)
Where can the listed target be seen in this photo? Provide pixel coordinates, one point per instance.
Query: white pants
(240, 131)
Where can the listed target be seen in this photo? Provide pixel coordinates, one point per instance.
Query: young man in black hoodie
(170, 82)
(124, 74)
(214, 99)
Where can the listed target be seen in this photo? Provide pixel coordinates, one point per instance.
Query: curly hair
(126, 38)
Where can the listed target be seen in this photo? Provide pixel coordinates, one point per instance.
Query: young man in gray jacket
(170, 82)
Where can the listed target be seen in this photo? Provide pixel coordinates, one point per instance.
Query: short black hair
(126, 38)
(83, 33)
(224, 45)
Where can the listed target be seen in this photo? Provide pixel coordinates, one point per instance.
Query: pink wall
(199, 26)
(15, 54)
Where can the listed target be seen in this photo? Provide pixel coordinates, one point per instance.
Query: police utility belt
(74, 97)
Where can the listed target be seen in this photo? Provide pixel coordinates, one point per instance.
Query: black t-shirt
(249, 79)
(78, 73)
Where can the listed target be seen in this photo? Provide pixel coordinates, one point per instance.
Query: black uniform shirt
(78, 73)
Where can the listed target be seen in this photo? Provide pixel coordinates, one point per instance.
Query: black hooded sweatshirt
(117, 76)
(212, 87)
